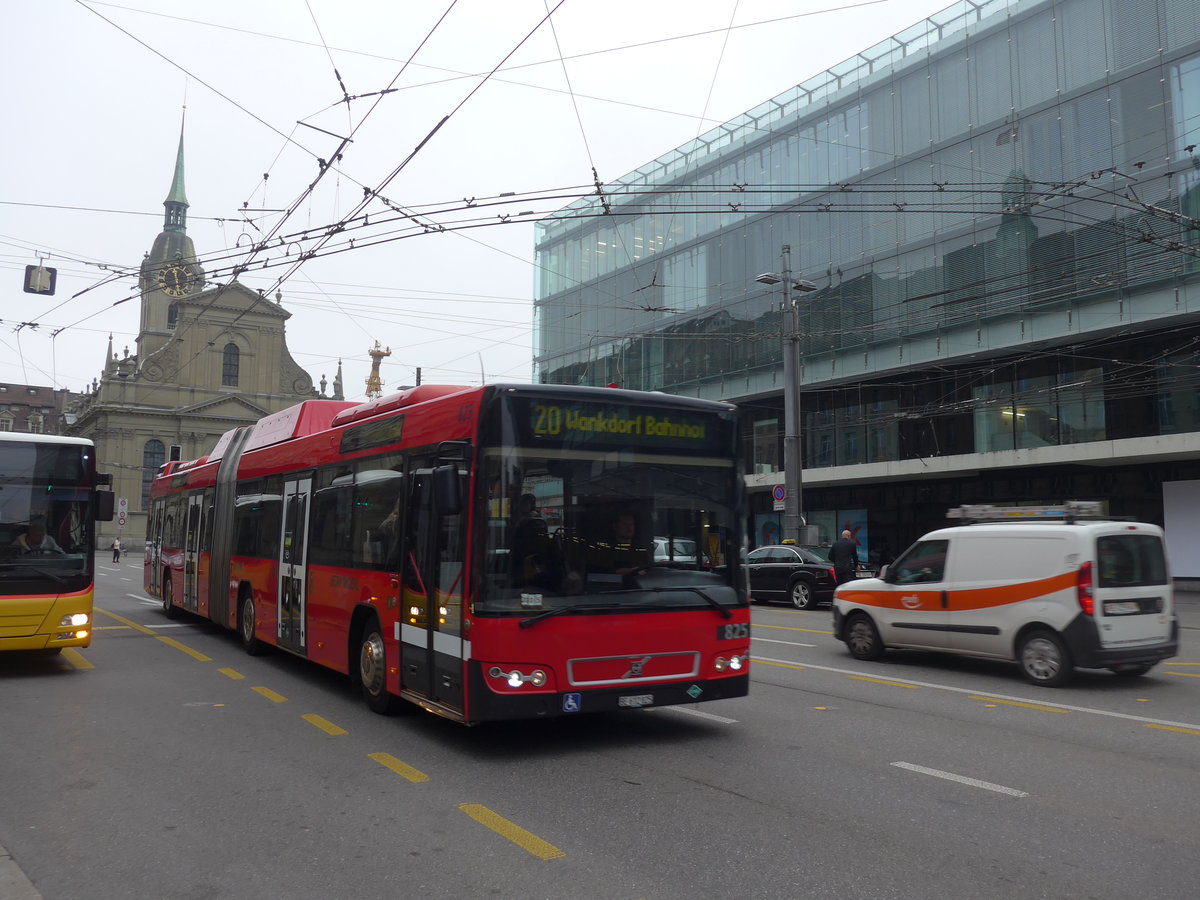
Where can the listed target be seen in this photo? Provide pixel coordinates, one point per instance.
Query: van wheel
(801, 594)
(1044, 659)
(250, 643)
(862, 638)
(1132, 671)
(170, 610)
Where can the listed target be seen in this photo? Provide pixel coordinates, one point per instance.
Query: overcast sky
(93, 94)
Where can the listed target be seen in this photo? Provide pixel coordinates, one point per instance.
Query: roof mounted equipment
(1067, 511)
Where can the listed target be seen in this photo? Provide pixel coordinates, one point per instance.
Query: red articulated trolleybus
(503, 552)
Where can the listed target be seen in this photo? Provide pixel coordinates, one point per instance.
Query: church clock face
(175, 280)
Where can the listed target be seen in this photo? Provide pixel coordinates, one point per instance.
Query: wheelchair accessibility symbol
(571, 702)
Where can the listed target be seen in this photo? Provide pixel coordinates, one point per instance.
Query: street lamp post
(793, 482)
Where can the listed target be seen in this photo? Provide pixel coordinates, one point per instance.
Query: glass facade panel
(766, 449)
(1011, 180)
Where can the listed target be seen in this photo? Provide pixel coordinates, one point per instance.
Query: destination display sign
(575, 424)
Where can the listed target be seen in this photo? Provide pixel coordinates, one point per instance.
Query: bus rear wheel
(250, 643)
(170, 610)
(372, 671)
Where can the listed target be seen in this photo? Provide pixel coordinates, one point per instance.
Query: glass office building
(1000, 210)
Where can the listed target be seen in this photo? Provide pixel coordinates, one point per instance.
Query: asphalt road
(162, 762)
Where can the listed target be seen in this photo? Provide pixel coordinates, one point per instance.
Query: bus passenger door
(153, 553)
(431, 645)
(291, 608)
(191, 551)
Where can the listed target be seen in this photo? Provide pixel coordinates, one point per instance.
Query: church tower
(209, 357)
(170, 270)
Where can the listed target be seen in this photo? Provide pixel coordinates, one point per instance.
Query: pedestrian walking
(844, 556)
(116, 549)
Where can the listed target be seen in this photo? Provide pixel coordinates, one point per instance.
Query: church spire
(338, 392)
(176, 203)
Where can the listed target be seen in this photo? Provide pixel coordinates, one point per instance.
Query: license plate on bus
(1121, 607)
(636, 700)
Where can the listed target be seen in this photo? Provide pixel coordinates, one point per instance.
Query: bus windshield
(45, 530)
(583, 519)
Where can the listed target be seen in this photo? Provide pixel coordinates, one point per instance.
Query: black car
(861, 569)
(788, 572)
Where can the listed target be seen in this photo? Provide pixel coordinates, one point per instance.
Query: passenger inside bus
(536, 559)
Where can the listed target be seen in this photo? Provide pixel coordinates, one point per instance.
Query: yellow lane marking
(232, 673)
(75, 658)
(528, 842)
(882, 681)
(324, 724)
(1181, 664)
(194, 654)
(184, 648)
(1173, 728)
(270, 694)
(111, 628)
(1052, 709)
(134, 625)
(400, 768)
(1185, 674)
(778, 665)
(790, 628)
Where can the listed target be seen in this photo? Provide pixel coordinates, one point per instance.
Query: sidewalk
(1187, 605)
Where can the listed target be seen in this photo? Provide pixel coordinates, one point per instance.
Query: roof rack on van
(1068, 511)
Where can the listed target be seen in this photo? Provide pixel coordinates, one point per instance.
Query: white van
(1050, 587)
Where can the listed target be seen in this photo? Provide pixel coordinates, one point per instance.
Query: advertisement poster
(767, 529)
(855, 521)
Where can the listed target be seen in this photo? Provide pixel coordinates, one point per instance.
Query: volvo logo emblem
(636, 667)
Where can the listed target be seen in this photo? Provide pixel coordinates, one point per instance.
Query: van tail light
(1083, 590)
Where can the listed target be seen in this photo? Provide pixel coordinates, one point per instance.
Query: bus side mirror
(447, 491)
(105, 505)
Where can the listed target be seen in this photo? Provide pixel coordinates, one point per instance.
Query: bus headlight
(732, 664)
(74, 620)
(516, 678)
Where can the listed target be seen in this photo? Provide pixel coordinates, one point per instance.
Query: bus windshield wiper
(20, 569)
(695, 590)
(560, 610)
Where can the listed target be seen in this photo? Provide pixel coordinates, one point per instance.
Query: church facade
(209, 357)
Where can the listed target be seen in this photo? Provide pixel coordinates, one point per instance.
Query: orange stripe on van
(986, 598)
(959, 600)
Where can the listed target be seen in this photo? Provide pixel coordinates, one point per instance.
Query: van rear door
(1133, 592)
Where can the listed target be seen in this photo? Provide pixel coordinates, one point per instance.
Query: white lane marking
(978, 692)
(962, 779)
(789, 643)
(692, 712)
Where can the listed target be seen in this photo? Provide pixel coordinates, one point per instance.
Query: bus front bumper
(487, 705)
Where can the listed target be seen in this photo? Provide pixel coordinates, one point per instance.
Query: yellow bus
(49, 505)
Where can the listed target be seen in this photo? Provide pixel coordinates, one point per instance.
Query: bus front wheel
(372, 671)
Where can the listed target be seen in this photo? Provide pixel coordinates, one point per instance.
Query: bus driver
(35, 540)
